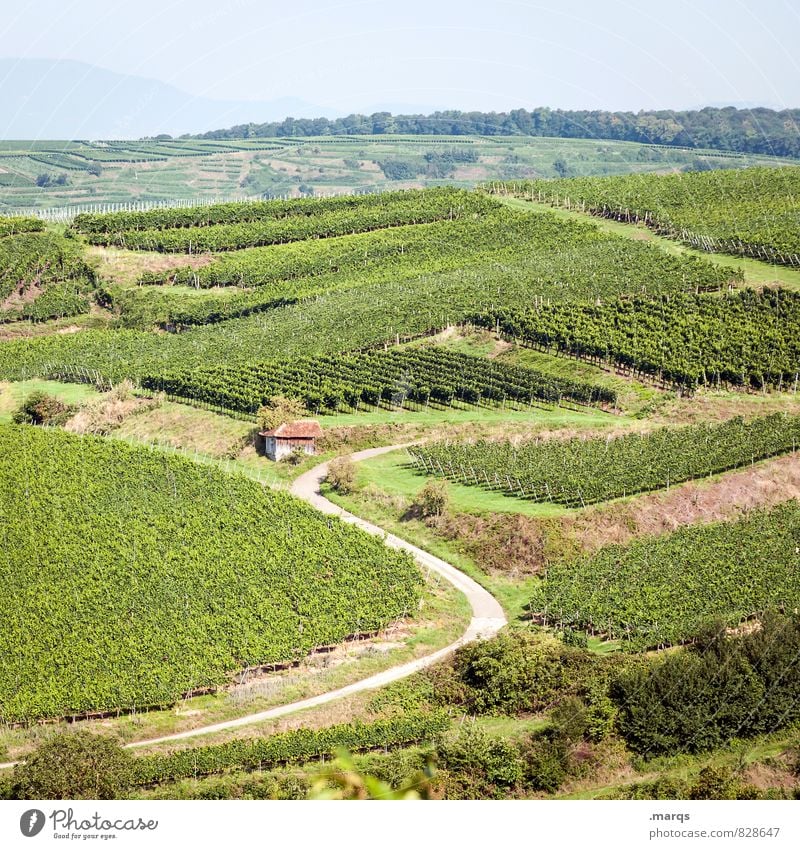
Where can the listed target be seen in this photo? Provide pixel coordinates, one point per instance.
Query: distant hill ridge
(759, 130)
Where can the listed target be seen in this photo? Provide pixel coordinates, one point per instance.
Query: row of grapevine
(19, 224)
(547, 262)
(289, 747)
(384, 211)
(358, 252)
(751, 212)
(57, 301)
(527, 250)
(329, 384)
(207, 215)
(581, 471)
(743, 338)
(660, 590)
(499, 233)
(149, 576)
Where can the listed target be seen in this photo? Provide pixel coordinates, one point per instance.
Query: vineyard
(40, 258)
(398, 378)
(658, 591)
(192, 217)
(581, 471)
(42, 276)
(290, 747)
(744, 338)
(501, 235)
(544, 261)
(130, 577)
(751, 212)
(329, 218)
(510, 249)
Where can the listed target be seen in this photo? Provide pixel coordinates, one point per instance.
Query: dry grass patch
(126, 267)
(188, 428)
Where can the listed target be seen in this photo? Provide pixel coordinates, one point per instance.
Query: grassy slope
(392, 474)
(513, 596)
(13, 394)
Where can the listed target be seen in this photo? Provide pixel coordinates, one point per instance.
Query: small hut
(292, 436)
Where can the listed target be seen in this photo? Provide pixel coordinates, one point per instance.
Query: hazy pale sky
(352, 56)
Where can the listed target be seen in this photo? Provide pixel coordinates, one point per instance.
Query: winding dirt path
(487, 614)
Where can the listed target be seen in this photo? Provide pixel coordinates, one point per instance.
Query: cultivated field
(585, 431)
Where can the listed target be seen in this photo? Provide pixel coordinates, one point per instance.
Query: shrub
(74, 765)
(433, 499)
(514, 673)
(688, 702)
(342, 475)
(479, 766)
(545, 762)
(295, 458)
(714, 783)
(39, 408)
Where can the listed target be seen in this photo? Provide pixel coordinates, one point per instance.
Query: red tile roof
(306, 429)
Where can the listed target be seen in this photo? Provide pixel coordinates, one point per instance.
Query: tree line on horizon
(755, 131)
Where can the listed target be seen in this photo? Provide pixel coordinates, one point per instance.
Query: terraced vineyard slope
(580, 471)
(130, 577)
(752, 212)
(396, 377)
(661, 590)
(343, 302)
(42, 274)
(744, 338)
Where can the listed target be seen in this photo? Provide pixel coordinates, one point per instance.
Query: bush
(722, 687)
(342, 475)
(714, 783)
(295, 458)
(74, 765)
(39, 408)
(546, 763)
(479, 766)
(433, 499)
(514, 673)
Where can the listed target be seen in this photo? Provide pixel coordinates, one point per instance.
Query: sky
(409, 55)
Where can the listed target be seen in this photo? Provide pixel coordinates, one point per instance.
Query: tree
(74, 765)
(280, 410)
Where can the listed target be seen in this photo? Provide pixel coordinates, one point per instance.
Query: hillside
(90, 173)
(584, 429)
(149, 577)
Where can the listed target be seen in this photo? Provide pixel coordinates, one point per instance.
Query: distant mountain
(49, 99)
